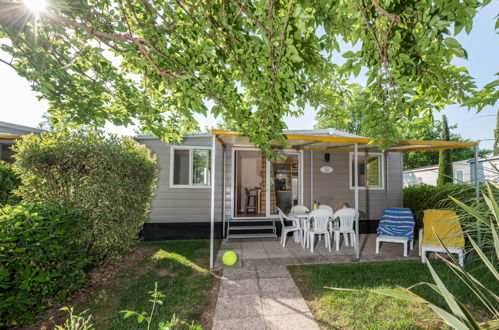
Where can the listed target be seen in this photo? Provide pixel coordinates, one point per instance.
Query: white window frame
(456, 180)
(172, 159)
(382, 170)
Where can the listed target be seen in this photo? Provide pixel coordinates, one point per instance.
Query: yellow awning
(10, 136)
(325, 142)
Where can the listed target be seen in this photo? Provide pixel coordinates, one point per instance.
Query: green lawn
(181, 270)
(342, 309)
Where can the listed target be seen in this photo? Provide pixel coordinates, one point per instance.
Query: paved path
(261, 297)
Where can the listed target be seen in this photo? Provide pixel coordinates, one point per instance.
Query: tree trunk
(445, 157)
(496, 136)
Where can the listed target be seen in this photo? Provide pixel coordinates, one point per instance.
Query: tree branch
(9, 64)
(244, 10)
(384, 12)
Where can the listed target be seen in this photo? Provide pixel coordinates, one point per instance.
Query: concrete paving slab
(296, 321)
(276, 285)
(247, 323)
(284, 305)
(285, 261)
(256, 262)
(234, 307)
(238, 287)
(239, 273)
(230, 245)
(266, 271)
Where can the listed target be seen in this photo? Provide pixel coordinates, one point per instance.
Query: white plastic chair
(326, 207)
(299, 209)
(303, 224)
(287, 229)
(321, 218)
(347, 218)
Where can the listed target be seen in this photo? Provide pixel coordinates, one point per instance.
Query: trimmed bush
(8, 182)
(43, 256)
(111, 178)
(422, 197)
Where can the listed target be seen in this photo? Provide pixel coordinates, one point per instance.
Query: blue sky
(19, 104)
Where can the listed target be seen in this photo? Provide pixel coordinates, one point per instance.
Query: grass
(181, 270)
(344, 309)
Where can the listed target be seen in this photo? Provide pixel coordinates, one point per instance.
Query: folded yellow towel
(444, 224)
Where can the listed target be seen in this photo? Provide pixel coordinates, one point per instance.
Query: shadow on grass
(181, 270)
(335, 309)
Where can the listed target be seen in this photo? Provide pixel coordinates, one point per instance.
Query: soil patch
(206, 319)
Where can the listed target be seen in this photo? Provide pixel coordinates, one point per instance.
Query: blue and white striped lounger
(396, 226)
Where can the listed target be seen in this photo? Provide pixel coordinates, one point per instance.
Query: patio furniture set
(320, 222)
(441, 232)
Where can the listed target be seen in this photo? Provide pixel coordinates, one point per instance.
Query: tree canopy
(157, 62)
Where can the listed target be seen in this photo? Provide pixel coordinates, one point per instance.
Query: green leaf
(348, 54)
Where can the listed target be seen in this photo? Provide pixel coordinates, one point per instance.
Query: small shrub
(76, 321)
(111, 178)
(8, 182)
(43, 256)
(173, 323)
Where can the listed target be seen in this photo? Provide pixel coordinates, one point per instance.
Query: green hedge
(8, 182)
(111, 178)
(422, 197)
(43, 254)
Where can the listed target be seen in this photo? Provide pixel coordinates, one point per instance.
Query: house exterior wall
(183, 204)
(461, 167)
(333, 187)
(421, 176)
(191, 206)
(491, 170)
(488, 170)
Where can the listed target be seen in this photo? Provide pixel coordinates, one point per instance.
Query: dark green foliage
(112, 179)
(496, 135)
(423, 197)
(43, 254)
(445, 157)
(8, 182)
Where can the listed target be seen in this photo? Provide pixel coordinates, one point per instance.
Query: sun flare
(36, 5)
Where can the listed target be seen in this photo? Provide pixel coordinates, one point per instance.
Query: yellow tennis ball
(229, 258)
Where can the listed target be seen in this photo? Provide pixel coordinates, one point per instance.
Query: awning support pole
(477, 192)
(311, 179)
(356, 199)
(212, 211)
(223, 192)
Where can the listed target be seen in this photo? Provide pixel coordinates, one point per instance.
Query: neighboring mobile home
(463, 172)
(9, 132)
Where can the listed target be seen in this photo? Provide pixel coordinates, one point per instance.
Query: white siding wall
(333, 187)
(183, 204)
(193, 205)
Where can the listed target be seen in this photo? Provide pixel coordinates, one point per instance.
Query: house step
(252, 235)
(251, 227)
(235, 220)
